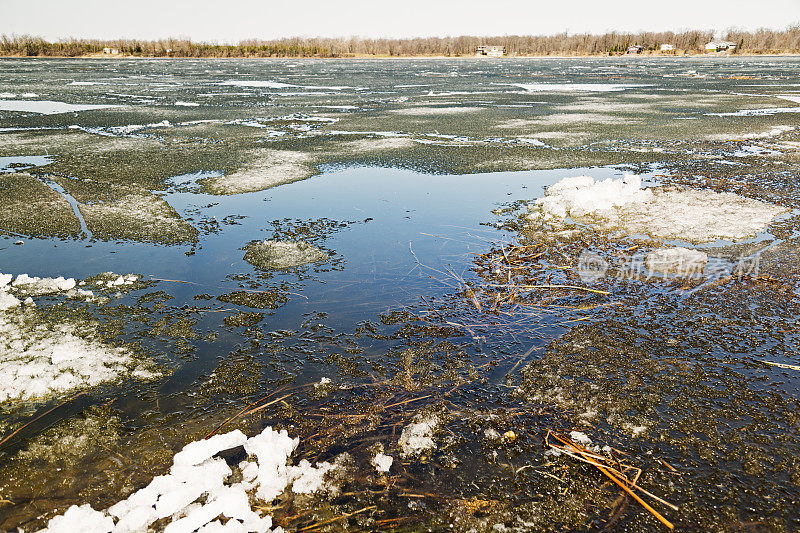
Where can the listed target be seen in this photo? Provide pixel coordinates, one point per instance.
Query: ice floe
(383, 143)
(773, 132)
(110, 280)
(324, 381)
(764, 111)
(337, 107)
(37, 286)
(48, 107)
(269, 168)
(7, 301)
(40, 359)
(280, 85)
(422, 111)
(200, 491)
(283, 254)
(531, 142)
(576, 87)
(137, 216)
(661, 212)
(132, 128)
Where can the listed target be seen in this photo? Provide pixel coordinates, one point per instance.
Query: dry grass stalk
(783, 365)
(342, 517)
(11, 435)
(603, 464)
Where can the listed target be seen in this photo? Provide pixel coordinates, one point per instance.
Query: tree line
(690, 41)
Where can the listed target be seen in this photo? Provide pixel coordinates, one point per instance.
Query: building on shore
(490, 51)
(720, 46)
(667, 48)
(635, 49)
(112, 51)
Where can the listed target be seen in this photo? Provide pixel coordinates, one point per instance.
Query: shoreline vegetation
(686, 43)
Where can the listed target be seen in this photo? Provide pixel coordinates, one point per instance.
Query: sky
(229, 21)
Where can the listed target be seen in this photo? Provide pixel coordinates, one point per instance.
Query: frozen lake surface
(366, 254)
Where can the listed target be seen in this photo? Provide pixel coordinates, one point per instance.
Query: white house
(667, 48)
(718, 45)
(112, 51)
(490, 51)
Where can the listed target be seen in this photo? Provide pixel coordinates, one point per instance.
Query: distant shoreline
(685, 43)
(699, 55)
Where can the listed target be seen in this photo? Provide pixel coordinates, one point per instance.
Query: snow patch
(531, 142)
(579, 437)
(195, 453)
(309, 478)
(764, 111)
(582, 195)
(7, 301)
(82, 518)
(417, 437)
(622, 205)
(198, 490)
(322, 382)
(381, 462)
(37, 286)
